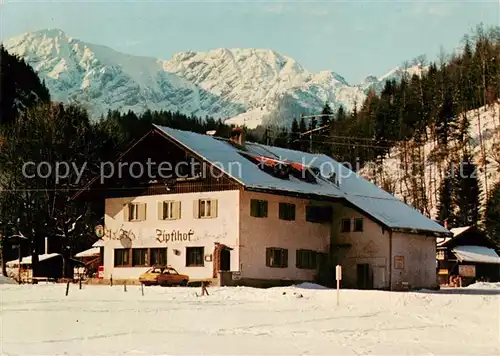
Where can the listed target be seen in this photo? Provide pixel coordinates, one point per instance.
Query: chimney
(46, 245)
(237, 136)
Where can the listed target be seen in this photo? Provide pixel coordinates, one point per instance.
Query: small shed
(470, 254)
(50, 265)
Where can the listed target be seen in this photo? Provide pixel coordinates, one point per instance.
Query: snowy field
(97, 320)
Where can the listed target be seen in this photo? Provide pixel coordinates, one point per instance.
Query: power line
(345, 137)
(336, 143)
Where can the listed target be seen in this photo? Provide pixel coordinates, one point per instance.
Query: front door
(363, 276)
(225, 260)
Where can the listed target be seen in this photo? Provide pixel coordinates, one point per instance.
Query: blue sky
(352, 38)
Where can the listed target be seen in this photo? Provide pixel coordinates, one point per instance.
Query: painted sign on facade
(399, 262)
(119, 234)
(173, 236)
(467, 270)
(162, 236)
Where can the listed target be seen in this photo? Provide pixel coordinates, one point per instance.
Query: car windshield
(154, 270)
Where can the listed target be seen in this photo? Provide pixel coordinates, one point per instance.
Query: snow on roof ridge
(459, 230)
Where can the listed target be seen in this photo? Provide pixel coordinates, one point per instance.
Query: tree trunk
(34, 257)
(2, 258)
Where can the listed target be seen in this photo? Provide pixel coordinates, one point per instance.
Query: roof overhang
(429, 233)
(477, 254)
(293, 194)
(98, 243)
(91, 252)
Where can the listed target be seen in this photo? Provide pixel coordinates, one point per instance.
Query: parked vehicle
(170, 277)
(150, 277)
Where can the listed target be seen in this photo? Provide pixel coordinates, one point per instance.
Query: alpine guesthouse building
(260, 214)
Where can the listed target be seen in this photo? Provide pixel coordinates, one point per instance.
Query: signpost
(338, 277)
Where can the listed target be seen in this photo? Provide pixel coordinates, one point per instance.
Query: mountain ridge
(223, 83)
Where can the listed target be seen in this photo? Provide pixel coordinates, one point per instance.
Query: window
(358, 225)
(122, 257)
(205, 208)
(139, 257)
(194, 256)
(318, 214)
(276, 257)
(345, 225)
(158, 256)
(258, 208)
(287, 211)
(306, 259)
(169, 210)
(134, 212)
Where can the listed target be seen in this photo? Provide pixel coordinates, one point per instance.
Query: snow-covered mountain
(247, 85)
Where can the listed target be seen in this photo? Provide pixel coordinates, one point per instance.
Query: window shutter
(213, 208)
(160, 210)
(142, 211)
(297, 259)
(177, 210)
(253, 207)
(126, 212)
(268, 257)
(196, 209)
(264, 208)
(285, 257)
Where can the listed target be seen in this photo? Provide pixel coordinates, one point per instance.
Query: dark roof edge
(92, 181)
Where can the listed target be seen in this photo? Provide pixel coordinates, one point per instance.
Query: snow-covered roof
(459, 230)
(366, 196)
(442, 241)
(479, 254)
(98, 243)
(27, 260)
(94, 251)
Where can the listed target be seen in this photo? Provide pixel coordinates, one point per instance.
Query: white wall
(370, 246)
(223, 229)
(419, 253)
(256, 234)
(374, 247)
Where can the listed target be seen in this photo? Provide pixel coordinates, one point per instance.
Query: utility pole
(310, 132)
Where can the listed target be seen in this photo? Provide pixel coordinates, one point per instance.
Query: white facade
(259, 233)
(392, 258)
(176, 235)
